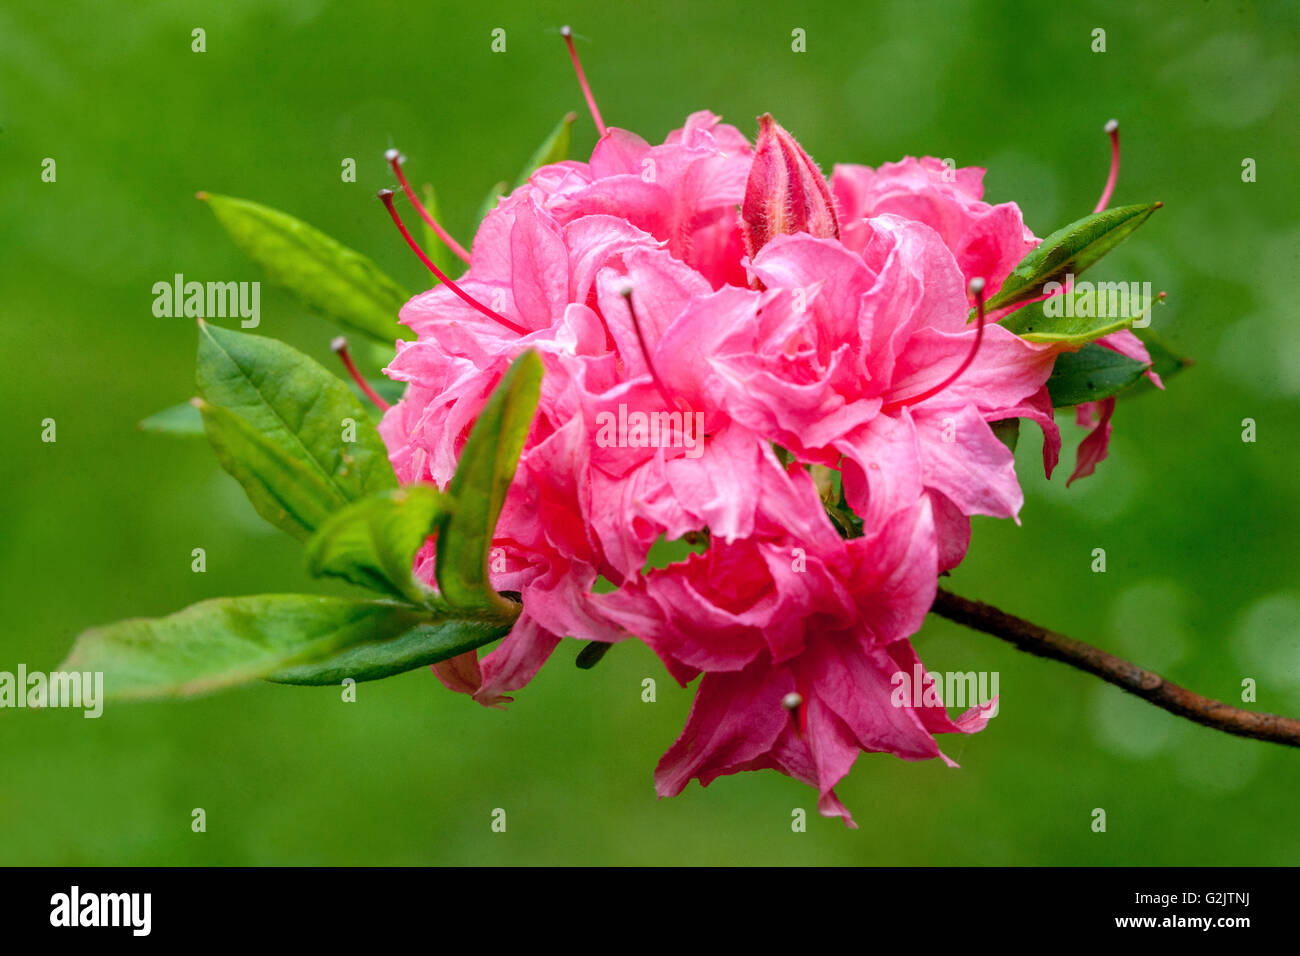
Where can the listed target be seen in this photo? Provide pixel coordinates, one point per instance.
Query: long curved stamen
(976, 287)
(394, 158)
(1112, 130)
(340, 348)
(386, 197)
(567, 33)
(645, 352)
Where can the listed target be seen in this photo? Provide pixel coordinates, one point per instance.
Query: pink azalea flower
(740, 291)
(555, 262)
(800, 636)
(987, 241)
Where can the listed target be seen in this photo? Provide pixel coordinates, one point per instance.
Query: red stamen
(394, 158)
(386, 197)
(340, 348)
(567, 33)
(645, 352)
(976, 287)
(1112, 130)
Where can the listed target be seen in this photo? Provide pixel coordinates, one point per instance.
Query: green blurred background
(1199, 527)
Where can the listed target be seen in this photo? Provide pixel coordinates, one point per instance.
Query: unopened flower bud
(786, 192)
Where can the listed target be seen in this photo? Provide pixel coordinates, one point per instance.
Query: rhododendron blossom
(798, 327)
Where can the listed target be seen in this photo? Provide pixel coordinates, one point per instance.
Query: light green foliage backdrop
(1199, 527)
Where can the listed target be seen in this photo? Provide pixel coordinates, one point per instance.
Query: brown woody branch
(1146, 684)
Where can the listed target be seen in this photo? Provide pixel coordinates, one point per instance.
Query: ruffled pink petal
(515, 661)
(1093, 448)
(735, 719)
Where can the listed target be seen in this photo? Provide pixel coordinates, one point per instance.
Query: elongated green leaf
(1032, 324)
(282, 487)
(667, 551)
(419, 647)
(487, 465)
(297, 406)
(1165, 361)
(554, 149)
(373, 541)
(438, 251)
(1091, 374)
(227, 641)
(388, 390)
(491, 199)
(182, 419)
(1069, 325)
(330, 278)
(1070, 250)
(1007, 431)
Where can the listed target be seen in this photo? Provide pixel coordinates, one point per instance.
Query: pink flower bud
(786, 192)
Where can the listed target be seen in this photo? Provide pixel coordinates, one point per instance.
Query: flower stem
(1146, 684)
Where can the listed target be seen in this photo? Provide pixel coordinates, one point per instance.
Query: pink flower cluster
(729, 341)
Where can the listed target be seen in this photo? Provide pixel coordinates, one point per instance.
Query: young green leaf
(1165, 362)
(419, 647)
(282, 487)
(296, 405)
(490, 200)
(483, 475)
(554, 149)
(437, 249)
(1091, 374)
(1069, 250)
(1032, 324)
(182, 419)
(665, 551)
(227, 641)
(331, 279)
(1007, 431)
(373, 542)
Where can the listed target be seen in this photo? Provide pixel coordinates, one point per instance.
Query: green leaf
(424, 645)
(329, 278)
(1165, 361)
(1033, 324)
(665, 552)
(478, 489)
(491, 199)
(227, 641)
(1007, 431)
(1091, 374)
(182, 419)
(438, 251)
(387, 389)
(298, 407)
(554, 149)
(373, 542)
(282, 488)
(1070, 250)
